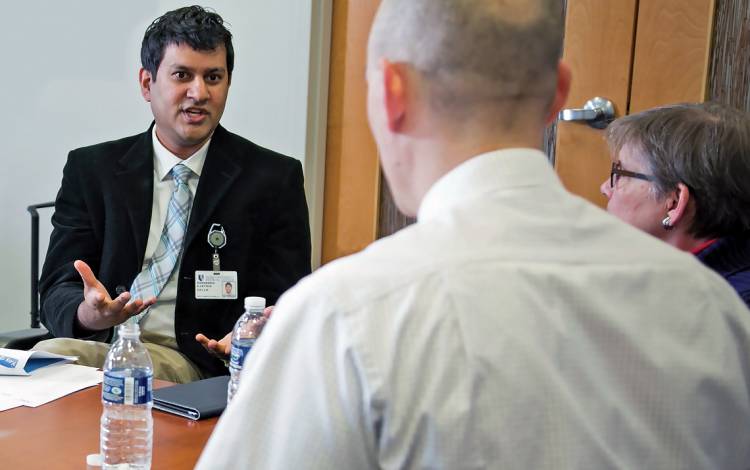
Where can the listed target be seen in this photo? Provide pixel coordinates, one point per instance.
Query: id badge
(216, 285)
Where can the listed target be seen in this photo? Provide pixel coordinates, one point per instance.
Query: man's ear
(564, 76)
(677, 204)
(144, 78)
(394, 94)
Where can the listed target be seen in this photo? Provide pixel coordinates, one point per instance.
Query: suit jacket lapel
(137, 181)
(219, 172)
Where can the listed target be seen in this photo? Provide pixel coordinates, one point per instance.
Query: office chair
(27, 338)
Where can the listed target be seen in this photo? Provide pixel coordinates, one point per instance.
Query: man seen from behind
(514, 325)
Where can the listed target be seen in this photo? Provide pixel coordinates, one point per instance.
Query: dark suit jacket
(730, 257)
(102, 216)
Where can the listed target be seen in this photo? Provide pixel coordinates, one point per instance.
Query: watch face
(216, 238)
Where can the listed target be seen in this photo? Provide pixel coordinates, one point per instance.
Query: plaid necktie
(151, 281)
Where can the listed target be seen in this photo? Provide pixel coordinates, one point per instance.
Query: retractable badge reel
(217, 238)
(216, 284)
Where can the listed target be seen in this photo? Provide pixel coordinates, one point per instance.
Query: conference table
(60, 434)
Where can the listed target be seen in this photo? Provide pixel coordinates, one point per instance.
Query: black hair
(195, 26)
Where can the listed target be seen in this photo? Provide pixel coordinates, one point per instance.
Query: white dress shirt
(513, 326)
(158, 325)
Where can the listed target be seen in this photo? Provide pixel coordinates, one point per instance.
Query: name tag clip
(217, 239)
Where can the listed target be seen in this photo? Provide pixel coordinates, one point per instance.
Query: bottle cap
(129, 327)
(94, 460)
(255, 302)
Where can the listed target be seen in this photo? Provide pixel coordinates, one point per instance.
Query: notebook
(194, 400)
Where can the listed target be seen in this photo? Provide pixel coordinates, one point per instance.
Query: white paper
(48, 384)
(9, 403)
(17, 362)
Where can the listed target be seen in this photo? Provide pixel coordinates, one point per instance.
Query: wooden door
(598, 48)
(637, 54)
(352, 176)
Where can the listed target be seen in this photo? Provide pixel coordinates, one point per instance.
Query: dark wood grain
(729, 79)
(390, 219)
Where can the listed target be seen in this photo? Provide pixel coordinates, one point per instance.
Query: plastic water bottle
(246, 332)
(126, 424)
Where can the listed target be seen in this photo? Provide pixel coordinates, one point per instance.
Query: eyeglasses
(617, 171)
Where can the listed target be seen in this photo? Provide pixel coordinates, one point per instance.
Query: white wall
(69, 79)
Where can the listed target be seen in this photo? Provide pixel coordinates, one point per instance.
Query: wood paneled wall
(729, 80)
(390, 219)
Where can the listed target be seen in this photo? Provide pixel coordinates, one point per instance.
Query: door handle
(597, 112)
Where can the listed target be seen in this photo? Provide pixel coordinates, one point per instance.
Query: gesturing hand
(99, 311)
(223, 347)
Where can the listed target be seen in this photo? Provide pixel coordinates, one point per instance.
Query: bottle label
(240, 352)
(126, 390)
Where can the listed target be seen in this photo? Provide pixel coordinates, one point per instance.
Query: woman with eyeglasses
(682, 174)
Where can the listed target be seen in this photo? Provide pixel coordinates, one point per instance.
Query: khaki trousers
(169, 364)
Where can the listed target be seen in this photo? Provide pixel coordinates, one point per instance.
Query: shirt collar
(698, 249)
(488, 172)
(164, 160)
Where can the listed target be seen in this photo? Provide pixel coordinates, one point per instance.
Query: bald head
(474, 52)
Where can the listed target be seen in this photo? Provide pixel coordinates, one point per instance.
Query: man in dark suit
(114, 215)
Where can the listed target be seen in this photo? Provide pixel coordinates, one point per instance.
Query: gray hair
(705, 146)
(474, 52)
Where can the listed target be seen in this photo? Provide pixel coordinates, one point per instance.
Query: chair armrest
(23, 339)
